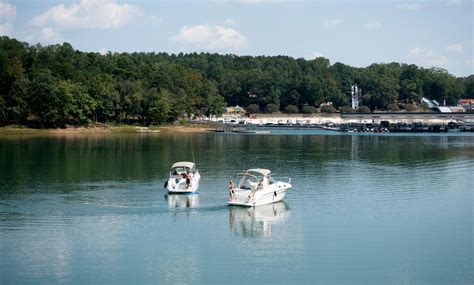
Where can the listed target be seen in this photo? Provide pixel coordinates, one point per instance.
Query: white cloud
(428, 57)
(332, 23)
(7, 17)
(469, 62)
(410, 6)
(373, 25)
(455, 48)
(6, 29)
(315, 54)
(7, 12)
(212, 38)
(88, 14)
(45, 35)
(49, 35)
(416, 51)
(452, 2)
(103, 51)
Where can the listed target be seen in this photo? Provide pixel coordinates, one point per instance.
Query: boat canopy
(186, 164)
(263, 171)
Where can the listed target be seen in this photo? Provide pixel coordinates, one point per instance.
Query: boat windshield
(179, 170)
(248, 180)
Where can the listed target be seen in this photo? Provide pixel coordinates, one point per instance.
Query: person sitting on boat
(189, 176)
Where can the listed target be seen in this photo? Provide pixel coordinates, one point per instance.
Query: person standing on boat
(231, 189)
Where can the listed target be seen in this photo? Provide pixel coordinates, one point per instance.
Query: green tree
(327, 109)
(468, 83)
(253, 109)
(309, 109)
(102, 88)
(271, 108)
(393, 107)
(291, 109)
(131, 99)
(346, 109)
(158, 106)
(363, 109)
(18, 108)
(48, 107)
(79, 106)
(3, 110)
(215, 105)
(410, 107)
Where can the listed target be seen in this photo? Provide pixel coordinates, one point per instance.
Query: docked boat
(255, 187)
(184, 178)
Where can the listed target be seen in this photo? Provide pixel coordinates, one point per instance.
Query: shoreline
(95, 130)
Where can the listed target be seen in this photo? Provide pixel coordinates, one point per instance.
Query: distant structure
(467, 104)
(356, 96)
(434, 105)
(328, 103)
(235, 110)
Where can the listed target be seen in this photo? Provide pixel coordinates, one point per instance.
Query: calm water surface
(364, 209)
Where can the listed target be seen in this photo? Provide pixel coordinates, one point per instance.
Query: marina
(351, 122)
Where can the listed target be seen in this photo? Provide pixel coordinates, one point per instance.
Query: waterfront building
(467, 104)
(235, 110)
(356, 96)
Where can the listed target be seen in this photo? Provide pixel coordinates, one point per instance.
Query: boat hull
(274, 194)
(178, 185)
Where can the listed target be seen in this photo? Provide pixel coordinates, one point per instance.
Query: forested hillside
(58, 85)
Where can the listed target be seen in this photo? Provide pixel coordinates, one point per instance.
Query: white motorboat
(184, 178)
(256, 187)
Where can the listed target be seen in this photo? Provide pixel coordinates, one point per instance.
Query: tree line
(56, 85)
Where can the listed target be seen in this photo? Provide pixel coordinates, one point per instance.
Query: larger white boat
(255, 187)
(184, 178)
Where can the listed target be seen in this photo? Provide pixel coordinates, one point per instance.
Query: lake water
(364, 209)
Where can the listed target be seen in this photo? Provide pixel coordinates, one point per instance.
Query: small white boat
(256, 187)
(184, 178)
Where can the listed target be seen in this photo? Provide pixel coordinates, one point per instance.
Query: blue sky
(428, 33)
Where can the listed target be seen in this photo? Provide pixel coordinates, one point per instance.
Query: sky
(358, 33)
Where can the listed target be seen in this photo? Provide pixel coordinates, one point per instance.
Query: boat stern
(241, 197)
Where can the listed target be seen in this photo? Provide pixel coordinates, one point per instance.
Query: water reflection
(182, 200)
(257, 221)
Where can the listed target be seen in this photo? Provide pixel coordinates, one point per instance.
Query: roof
(465, 101)
(183, 164)
(263, 171)
(443, 109)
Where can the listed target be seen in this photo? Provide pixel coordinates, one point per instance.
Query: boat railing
(283, 179)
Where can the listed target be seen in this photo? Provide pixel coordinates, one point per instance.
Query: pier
(354, 122)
